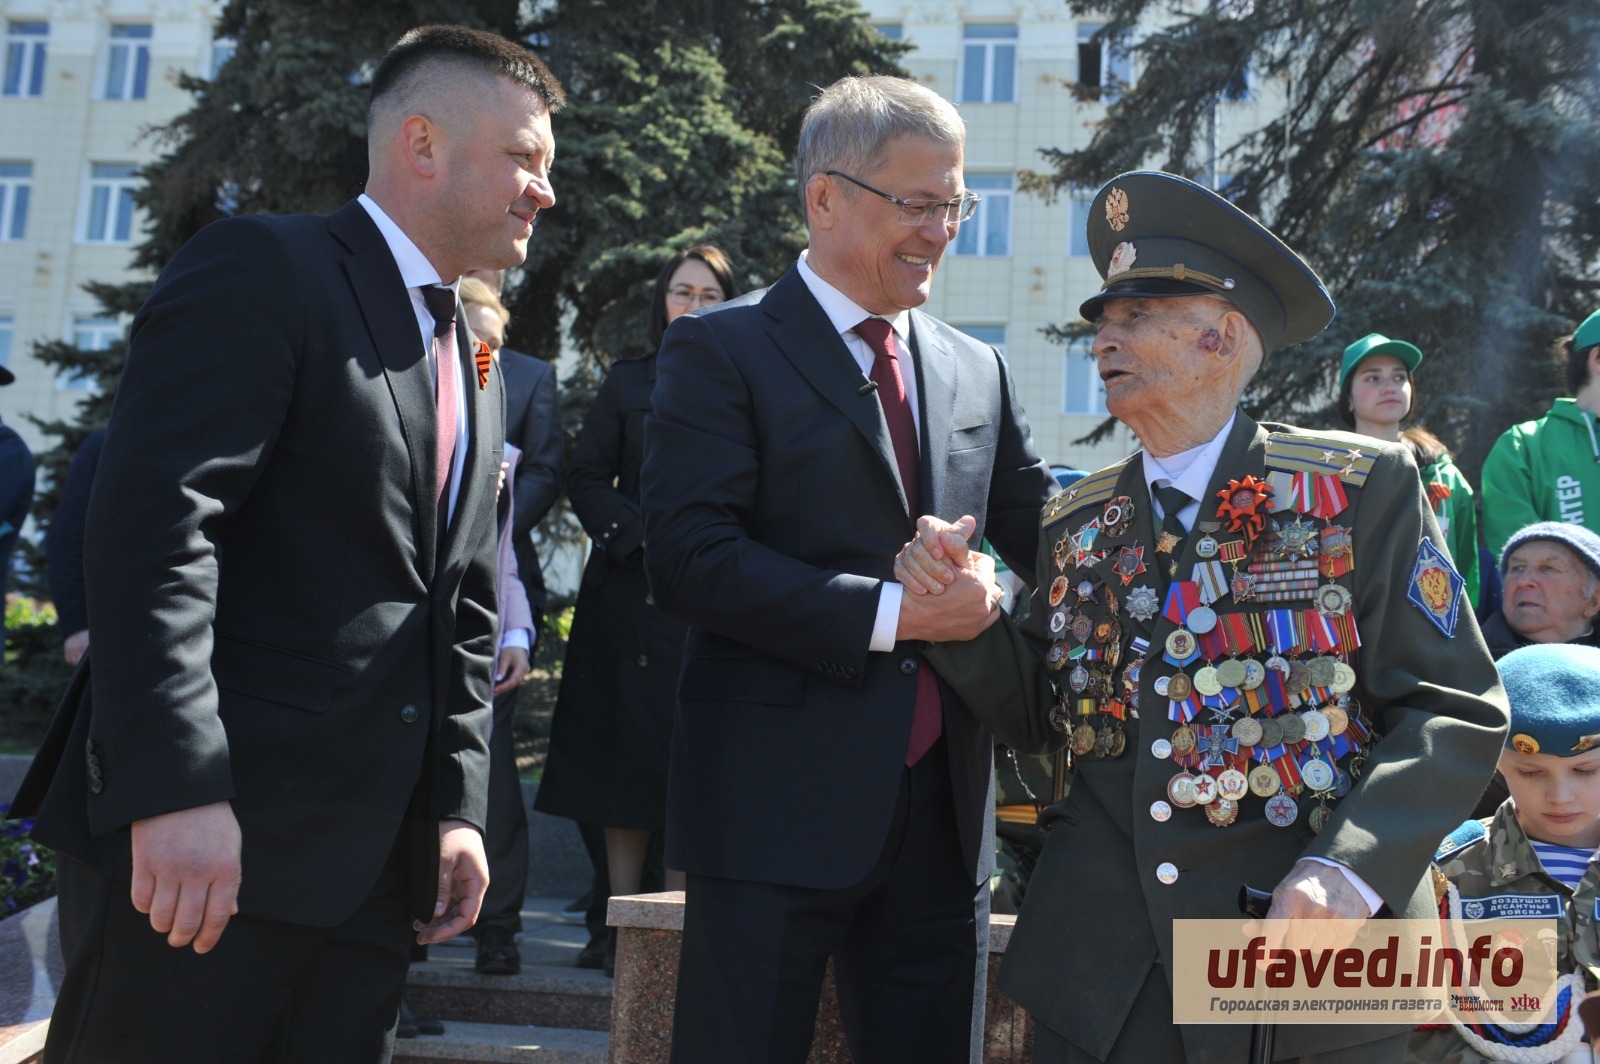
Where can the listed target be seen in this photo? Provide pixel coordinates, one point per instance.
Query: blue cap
(1554, 690)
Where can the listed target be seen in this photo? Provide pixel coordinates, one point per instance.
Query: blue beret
(1554, 690)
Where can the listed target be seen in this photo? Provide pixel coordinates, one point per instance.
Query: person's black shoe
(594, 954)
(411, 1024)
(497, 952)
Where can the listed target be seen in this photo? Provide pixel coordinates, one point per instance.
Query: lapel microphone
(867, 388)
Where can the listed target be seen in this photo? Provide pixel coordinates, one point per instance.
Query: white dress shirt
(845, 315)
(416, 271)
(1190, 472)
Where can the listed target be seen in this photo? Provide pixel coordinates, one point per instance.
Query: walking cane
(1256, 903)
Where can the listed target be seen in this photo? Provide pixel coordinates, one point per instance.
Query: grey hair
(847, 127)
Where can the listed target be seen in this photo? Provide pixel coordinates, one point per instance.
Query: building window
(24, 74)
(892, 30)
(1082, 390)
(108, 203)
(993, 335)
(1078, 224)
(90, 332)
(16, 183)
(988, 232)
(128, 63)
(1105, 65)
(222, 51)
(8, 329)
(989, 64)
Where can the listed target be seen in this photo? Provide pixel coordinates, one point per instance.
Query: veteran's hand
(186, 873)
(967, 606)
(1315, 907)
(463, 878)
(930, 562)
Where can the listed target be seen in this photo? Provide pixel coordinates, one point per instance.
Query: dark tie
(927, 720)
(1172, 501)
(442, 305)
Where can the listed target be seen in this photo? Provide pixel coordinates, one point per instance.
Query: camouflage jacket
(1496, 869)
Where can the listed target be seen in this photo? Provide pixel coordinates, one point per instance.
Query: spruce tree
(1439, 164)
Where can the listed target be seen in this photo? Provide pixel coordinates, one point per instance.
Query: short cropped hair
(424, 52)
(850, 124)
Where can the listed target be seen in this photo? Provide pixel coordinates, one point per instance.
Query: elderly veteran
(1248, 637)
(1552, 588)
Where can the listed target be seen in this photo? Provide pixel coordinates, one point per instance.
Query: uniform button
(1161, 748)
(1161, 812)
(643, 660)
(94, 772)
(908, 666)
(1167, 872)
(649, 600)
(96, 786)
(409, 714)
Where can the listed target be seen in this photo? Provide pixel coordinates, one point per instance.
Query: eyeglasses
(920, 212)
(688, 297)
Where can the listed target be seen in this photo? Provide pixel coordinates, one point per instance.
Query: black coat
(64, 544)
(613, 720)
(17, 470)
(277, 622)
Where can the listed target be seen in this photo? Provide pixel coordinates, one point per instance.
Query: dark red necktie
(927, 721)
(442, 305)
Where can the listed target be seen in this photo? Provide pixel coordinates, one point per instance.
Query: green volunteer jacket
(1097, 918)
(1451, 497)
(1544, 470)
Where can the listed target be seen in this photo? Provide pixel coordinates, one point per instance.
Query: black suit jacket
(64, 543)
(276, 622)
(773, 512)
(533, 424)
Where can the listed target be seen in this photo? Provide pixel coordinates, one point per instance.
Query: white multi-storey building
(1022, 263)
(80, 83)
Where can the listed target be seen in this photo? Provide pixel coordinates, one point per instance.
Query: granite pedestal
(649, 930)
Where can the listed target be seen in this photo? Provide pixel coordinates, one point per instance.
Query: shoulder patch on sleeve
(1097, 487)
(1436, 588)
(1343, 455)
(1465, 835)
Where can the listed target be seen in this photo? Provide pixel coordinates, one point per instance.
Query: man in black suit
(533, 426)
(279, 737)
(827, 796)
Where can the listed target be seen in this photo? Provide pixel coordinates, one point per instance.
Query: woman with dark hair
(1376, 395)
(613, 719)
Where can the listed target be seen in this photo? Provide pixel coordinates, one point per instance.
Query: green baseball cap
(1378, 344)
(1154, 235)
(1588, 333)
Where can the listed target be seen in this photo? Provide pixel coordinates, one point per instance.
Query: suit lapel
(805, 336)
(470, 510)
(936, 390)
(386, 308)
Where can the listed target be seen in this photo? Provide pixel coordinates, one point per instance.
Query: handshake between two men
(950, 589)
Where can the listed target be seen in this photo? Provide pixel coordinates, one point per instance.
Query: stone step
(471, 1043)
(543, 995)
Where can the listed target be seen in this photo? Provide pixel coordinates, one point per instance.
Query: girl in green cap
(1376, 395)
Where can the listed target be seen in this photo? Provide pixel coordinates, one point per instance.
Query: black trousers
(909, 945)
(506, 833)
(269, 991)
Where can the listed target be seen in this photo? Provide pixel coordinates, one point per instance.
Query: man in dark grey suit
(826, 795)
(291, 565)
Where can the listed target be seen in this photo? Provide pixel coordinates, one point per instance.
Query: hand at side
(186, 873)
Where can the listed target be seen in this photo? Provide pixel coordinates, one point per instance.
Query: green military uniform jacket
(1502, 862)
(1097, 917)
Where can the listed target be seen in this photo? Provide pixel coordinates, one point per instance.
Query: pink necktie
(927, 720)
(442, 305)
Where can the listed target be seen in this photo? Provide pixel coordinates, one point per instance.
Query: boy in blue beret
(1537, 855)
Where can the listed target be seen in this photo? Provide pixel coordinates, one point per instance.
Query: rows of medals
(1261, 695)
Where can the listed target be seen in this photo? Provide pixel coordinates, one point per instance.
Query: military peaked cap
(1154, 235)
